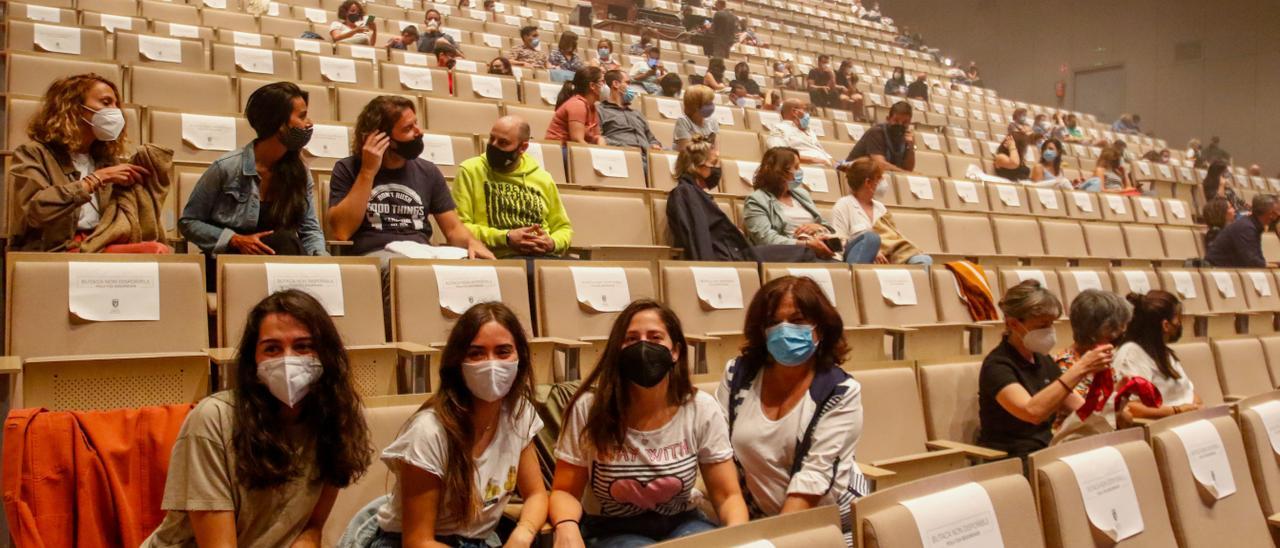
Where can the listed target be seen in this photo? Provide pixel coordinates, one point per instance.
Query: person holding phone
(781, 212)
(353, 26)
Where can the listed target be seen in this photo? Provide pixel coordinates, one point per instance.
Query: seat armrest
(940, 324)
(918, 456)
(561, 343)
(10, 365)
(700, 338)
(891, 329)
(405, 349)
(873, 472)
(1232, 398)
(1274, 520)
(222, 356)
(723, 334)
(1138, 421)
(973, 451)
(598, 339)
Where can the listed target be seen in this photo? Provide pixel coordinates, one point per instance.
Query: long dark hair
(606, 427)
(1057, 161)
(579, 85)
(331, 413)
(810, 301)
(716, 68)
(268, 110)
(380, 114)
(452, 403)
(1146, 328)
(1213, 179)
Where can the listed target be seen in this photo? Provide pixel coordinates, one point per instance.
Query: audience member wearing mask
(1192, 154)
(638, 399)
(621, 125)
(501, 66)
(793, 131)
(352, 27)
(714, 77)
(576, 119)
(447, 57)
(738, 96)
(697, 224)
(780, 210)
(648, 39)
(699, 107)
(1109, 174)
(246, 466)
(897, 85)
(794, 415)
(891, 144)
(1049, 167)
(1020, 123)
(853, 100)
(1098, 322)
(649, 73)
(822, 84)
(565, 56)
(866, 226)
(408, 39)
(786, 76)
(1072, 132)
(482, 408)
(1239, 245)
(432, 33)
(742, 77)
(1009, 162)
(508, 201)
(1020, 389)
(384, 191)
(604, 56)
(1217, 214)
(1156, 323)
(919, 88)
(529, 52)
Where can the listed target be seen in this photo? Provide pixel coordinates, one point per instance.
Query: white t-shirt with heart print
(655, 470)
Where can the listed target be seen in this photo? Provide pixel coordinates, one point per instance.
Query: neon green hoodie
(491, 203)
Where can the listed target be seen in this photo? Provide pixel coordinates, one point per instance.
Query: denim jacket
(225, 202)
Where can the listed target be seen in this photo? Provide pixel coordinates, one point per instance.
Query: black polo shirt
(1000, 429)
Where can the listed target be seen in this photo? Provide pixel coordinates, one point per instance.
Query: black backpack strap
(825, 386)
(737, 382)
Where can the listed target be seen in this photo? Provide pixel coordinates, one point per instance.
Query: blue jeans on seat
(642, 530)
(863, 248)
(920, 259)
(685, 529)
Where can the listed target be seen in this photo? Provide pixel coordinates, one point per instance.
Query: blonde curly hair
(58, 120)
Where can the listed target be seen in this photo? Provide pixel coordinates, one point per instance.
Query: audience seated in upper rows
(621, 125)
(576, 119)
(865, 225)
(891, 143)
(352, 26)
(780, 210)
(433, 34)
(699, 109)
(793, 131)
(1239, 244)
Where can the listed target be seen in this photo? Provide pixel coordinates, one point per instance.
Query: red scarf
(1103, 385)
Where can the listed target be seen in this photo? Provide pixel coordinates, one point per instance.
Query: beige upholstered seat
(950, 395)
(561, 315)
(1242, 367)
(1105, 241)
(1143, 242)
(457, 116)
(1018, 237)
(311, 68)
(963, 195)
(480, 87)
(71, 363)
(320, 99)
(166, 130)
(952, 307)
(1198, 361)
(1198, 520)
(928, 338)
(1082, 205)
(224, 60)
(612, 225)
(915, 191)
(719, 328)
(184, 90)
(1008, 198)
(1263, 465)
(1062, 510)
(1180, 243)
(46, 38)
(597, 166)
(1063, 238)
(883, 522)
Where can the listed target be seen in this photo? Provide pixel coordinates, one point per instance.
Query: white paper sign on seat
(416, 78)
(1261, 283)
(921, 187)
(820, 276)
(461, 287)
(1106, 486)
(1087, 279)
(896, 286)
(56, 39)
(322, 281)
(1269, 412)
(488, 87)
(718, 287)
(114, 292)
(209, 132)
(1048, 198)
(257, 61)
(1183, 283)
(1208, 457)
(602, 289)
(609, 162)
(1226, 286)
(815, 178)
(1138, 282)
(438, 149)
(338, 69)
(1037, 275)
(960, 517)
(328, 141)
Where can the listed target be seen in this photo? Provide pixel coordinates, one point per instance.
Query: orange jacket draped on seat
(87, 478)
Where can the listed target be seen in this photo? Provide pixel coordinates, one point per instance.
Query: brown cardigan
(48, 193)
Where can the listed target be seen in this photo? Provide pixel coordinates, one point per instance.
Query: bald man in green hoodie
(508, 201)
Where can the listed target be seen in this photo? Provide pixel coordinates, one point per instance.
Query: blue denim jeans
(685, 524)
(387, 539)
(920, 259)
(863, 248)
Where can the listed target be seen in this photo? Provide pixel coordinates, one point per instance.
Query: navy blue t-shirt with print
(398, 205)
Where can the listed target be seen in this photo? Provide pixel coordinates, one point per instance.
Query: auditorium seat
(1063, 510)
(611, 225)
(921, 227)
(1046, 202)
(1261, 299)
(952, 307)
(69, 360)
(925, 337)
(915, 191)
(1020, 237)
(457, 116)
(962, 195)
(1226, 299)
(1133, 280)
(245, 280)
(711, 304)
(1261, 454)
(1148, 210)
(1008, 199)
(1082, 205)
(1198, 519)
(1242, 367)
(485, 87)
(244, 60)
(1180, 243)
(31, 73)
(1116, 208)
(228, 20)
(814, 527)
(931, 164)
(883, 519)
(1143, 243)
(605, 166)
(566, 313)
(1105, 241)
(182, 90)
(330, 70)
(950, 395)
(540, 94)
(63, 39)
(1197, 360)
(179, 30)
(413, 80)
(739, 144)
(171, 12)
(966, 235)
(286, 28)
(166, 129)
(386, 417)
(41, 12)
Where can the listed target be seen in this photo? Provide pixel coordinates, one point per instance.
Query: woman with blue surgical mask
(699, 116)
(794, 415)
(1049, 167)
(1020, 388)
(780, 212)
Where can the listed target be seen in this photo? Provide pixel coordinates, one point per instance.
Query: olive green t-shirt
(202, 477)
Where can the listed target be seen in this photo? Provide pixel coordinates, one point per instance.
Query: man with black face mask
(891, 144)
(381, 195)
(1239, 245)
(508, 201)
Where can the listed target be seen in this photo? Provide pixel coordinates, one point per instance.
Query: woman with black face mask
(644, 432)
(1156, 323)
(380, 196)
(352, 27)
(258, 200)
(698, 225)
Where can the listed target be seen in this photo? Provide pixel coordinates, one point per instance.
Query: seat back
(1010, 199)
(134, 49)
(1063, 238)
(594, 165)
(419, 315)
(319, 98)
(1189, 287)
(333, 70)
(539, 118)
(1082, 205)
(1046, 202)
(181, 90)
(412, 79)
(697, 308)
(1259, 287)
(806, 529)
(1133, 280)
(921, 227)
(1198, 519)
(839, 276)
(968, 235)
(1116, 208)
(1198, 361)
(1263, 465)
(1105, 241)
(1224, 291)
(1242, 366)
(1075, 280)
(31, 73)
(950, 395)
(36, 329)
(561, 314)
(964, 195)
(1180, 243)
(608, 218)
(485, 87)
(882, 520)
(1271, 350)
(1062, 505)
(60, 39)
(916, 191)
(893, 414)
(1017, 236)
(385, 416)
(166, 128)
(879, 309)
(931, 164)
(237, 59)
(458, 116)
(1148, 210)
(1143, 242)
(244, 280)
(951, 305)
(1177, 212)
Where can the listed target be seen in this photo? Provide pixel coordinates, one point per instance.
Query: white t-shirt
(765, 449)
(796, 216)
(1132, 361)
(423, 444)
(848, 219)
(357, 38)
(787, 134)
(89, 214)
(655, 470)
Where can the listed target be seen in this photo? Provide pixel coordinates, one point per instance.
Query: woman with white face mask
(865, 225)
(469, 449)
(260, 464)
(65, 177)
(794, 416)
(1020, 388)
